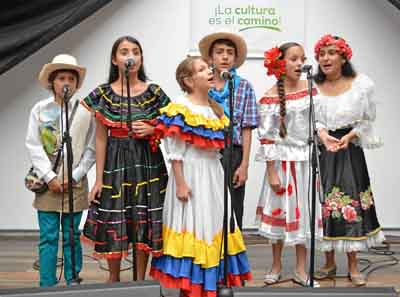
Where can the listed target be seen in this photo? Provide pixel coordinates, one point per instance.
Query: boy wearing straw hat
(43, 139)
(226, 51)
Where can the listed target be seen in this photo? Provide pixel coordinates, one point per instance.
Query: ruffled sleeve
(100, 104)
(179, 121)
(113, 110)
(364, 128)
(175, 148)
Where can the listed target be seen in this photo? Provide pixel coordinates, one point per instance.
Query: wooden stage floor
(18, 253)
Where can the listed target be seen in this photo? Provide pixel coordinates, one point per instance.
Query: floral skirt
(349, 217)
(132, 198)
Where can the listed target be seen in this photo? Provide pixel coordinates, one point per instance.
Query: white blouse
(294, 146)
(354, 108)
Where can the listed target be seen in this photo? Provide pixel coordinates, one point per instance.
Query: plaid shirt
(245, 110)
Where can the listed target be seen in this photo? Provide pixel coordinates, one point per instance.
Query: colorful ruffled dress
(134, 178)
(193, 252)
(349, 214)
(285, 215)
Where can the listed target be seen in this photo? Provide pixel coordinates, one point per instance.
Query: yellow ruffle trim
(194, 119)
(179, 245)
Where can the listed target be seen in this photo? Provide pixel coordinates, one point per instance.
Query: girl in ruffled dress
(345, 125)
(131, 176)
(193, 209)
(283, 208)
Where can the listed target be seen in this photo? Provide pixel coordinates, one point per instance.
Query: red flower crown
(274, 63)
(341, 46)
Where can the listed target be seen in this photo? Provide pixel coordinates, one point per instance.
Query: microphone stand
(224, 290)
(67, 141)
(134, 221)
(313, 146)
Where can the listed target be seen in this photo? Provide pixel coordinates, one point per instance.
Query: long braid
(282, 110)
(281, 91)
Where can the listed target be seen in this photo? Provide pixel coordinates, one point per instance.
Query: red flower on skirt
(297, 213)
(349, 213)
(282, 190)
(276, 212)
(326, 212)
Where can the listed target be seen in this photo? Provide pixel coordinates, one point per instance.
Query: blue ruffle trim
(185, 268)
(178, 120)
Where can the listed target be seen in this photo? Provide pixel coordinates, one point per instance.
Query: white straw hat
(241, 47)
(61, 62)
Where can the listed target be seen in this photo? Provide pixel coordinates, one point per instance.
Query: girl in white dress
(283, 208)
(193, 209)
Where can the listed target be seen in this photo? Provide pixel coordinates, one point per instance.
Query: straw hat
(206, 42)
(61, 62)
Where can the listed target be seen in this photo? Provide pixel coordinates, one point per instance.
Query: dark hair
(114, 72)
(281, 90)
(53, 75)
(226, 42)
(347, 69)
(186, 69)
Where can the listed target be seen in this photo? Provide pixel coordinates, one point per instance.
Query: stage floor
(18, 253)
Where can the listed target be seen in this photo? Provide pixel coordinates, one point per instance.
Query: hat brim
(51, 67)
(241, 47)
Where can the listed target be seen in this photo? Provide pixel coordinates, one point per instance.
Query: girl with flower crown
(193, 209)
(345, 119)
(283, 208)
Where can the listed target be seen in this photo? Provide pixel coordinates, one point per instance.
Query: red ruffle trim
(161, 130)
(122, 254)
(195, 290)
(292, 96)
(122, 130)
(109, 123)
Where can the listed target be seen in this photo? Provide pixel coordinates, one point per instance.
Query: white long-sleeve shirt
(44, 136)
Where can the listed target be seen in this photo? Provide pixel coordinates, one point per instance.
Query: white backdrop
(260, 22)
(371, 27)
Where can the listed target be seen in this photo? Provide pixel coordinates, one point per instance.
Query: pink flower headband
(341, 46)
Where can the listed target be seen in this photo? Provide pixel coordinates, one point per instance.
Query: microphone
(226, 75)
(305, 68)
(66, 90)
(129, 63)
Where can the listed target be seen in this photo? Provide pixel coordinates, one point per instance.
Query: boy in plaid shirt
(227, 51)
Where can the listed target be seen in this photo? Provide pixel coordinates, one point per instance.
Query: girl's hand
(331, 143)
(95, 192)
(142, 128)
(273, 179)
(183, 192)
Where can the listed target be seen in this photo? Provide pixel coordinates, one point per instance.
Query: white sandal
(271, 278)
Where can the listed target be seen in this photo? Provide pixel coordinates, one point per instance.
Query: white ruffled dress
(285, 215)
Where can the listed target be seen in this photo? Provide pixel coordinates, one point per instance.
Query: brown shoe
(322, 274)
(357, 280)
